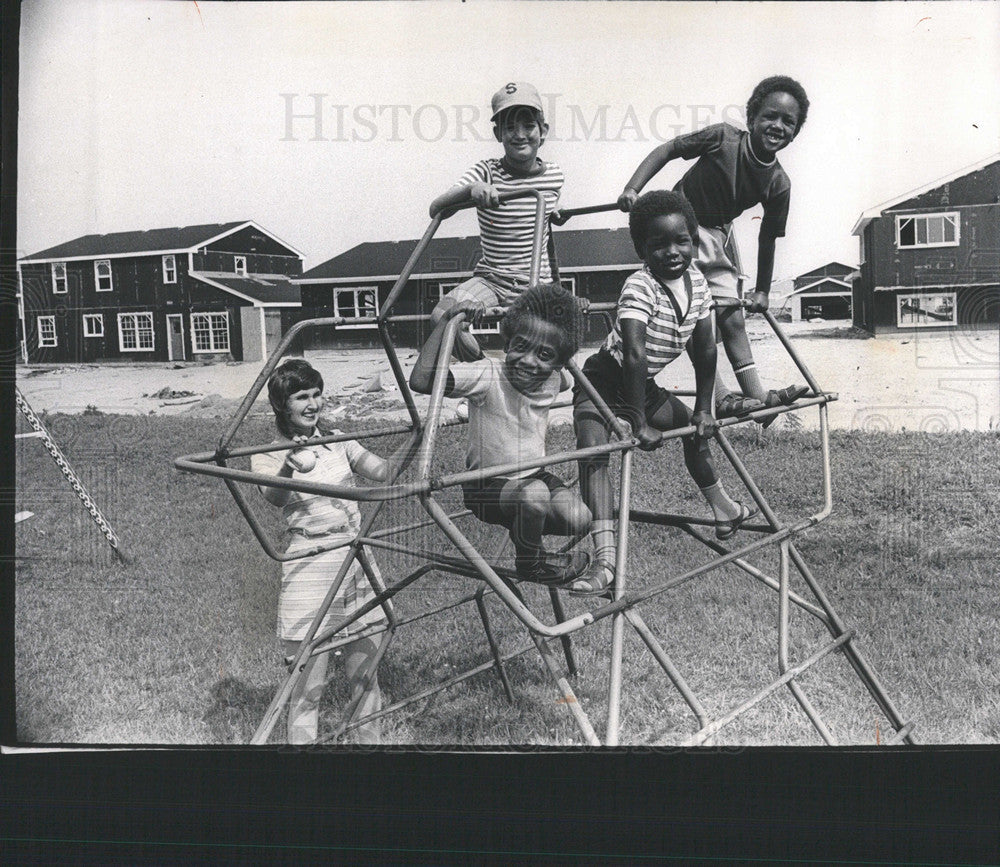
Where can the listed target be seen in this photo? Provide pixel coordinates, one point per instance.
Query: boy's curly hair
(553, 304)
(658, 203)
(778, 84)
(292, 375)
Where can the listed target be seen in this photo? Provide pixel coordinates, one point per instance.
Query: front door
(272, 331)
(175, 337)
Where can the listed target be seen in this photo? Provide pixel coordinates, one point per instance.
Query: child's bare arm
(376, 468)
(765, 271)
(635, 370)
(704, 357)
(422, 375)
(656, 160)
(483, 194)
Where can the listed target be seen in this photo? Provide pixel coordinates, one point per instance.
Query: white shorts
(719, 260)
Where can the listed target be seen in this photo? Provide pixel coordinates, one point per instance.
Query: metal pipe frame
(502, 583)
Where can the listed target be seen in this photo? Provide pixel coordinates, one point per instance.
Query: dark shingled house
(931, 257)
(593, 263)
(185, 293)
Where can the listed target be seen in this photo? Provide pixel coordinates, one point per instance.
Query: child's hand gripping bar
(561, 216)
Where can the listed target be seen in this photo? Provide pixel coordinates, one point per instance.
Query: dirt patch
(918, 381)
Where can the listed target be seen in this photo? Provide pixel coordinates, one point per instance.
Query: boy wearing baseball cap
(506, 230)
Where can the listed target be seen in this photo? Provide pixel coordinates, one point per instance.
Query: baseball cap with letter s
(516, 93)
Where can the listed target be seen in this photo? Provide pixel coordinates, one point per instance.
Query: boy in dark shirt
(736, 170)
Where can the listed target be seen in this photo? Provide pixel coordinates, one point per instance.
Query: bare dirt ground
(926, 380)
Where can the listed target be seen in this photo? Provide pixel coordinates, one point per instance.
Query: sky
(140, 115)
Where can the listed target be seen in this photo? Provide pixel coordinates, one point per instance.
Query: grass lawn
(178, 646)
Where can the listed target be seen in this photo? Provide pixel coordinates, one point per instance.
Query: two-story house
(931, 257)
(159, 295)
(593, 263)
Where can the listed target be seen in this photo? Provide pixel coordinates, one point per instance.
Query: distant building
(185, 293)
(823, 292)
(593, 263)
(931, 258)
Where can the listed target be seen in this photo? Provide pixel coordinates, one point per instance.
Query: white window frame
(446, 286)
(136, 332)
(197, 331)
(56, 280)
(97, 275)
(169, 268)
(240, 265)
(356, 306)
(923, 299)
(46, 341)
(571, 280)
(93, 324)
(953, 216)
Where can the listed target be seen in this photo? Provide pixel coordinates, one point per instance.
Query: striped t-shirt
(505, 233)
(647, 299)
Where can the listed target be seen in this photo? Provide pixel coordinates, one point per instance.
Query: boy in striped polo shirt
(505, 230)
(664, 309)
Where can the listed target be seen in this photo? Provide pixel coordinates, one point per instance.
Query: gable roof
(180, 239)
(577, 249)
(875, 212)
(263, 290)
(821, 271)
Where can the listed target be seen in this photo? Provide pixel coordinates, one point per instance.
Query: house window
(59, 278)
(210, 332)
(135, 332)
(356, 302)
(102, 275)
(93, 325)
(569, 284)
(488, 328)
(927, 230)
(927, 310)
(169, 269)
(240, 265)
(47, 332)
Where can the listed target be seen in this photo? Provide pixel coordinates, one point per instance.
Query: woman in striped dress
(295, 390)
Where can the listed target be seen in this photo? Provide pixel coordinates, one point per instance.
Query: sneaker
(734, 404)
(551, 569)
(783, 397)
(598, 580)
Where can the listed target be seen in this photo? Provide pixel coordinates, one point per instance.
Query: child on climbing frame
(734, 171)
(663, 309)
(295, 390)
(508, 417)
(506, 229)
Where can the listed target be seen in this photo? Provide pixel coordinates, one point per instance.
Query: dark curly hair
(292, 375)
(553, 304)
(658, 203)
(778, 84)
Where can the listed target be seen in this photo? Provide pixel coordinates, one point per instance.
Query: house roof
(577, 249)
(263, 290)
(180, 239)
(820, 271)
(875, 212)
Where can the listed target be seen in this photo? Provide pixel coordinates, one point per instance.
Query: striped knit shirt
(648, 300)
(505, 233)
